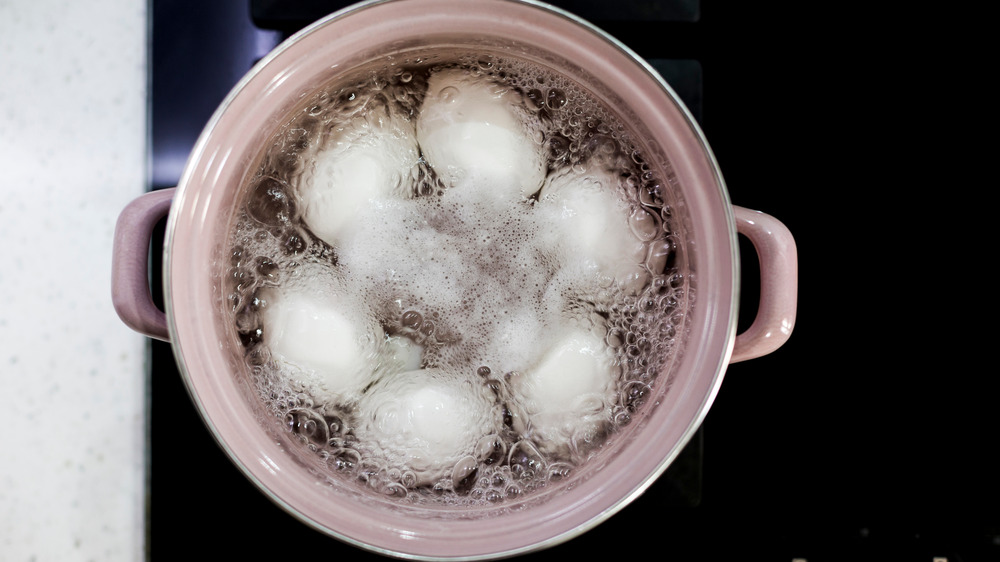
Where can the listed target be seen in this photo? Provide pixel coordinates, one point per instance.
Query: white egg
(471, 129)
(589, 224)
(404, 352)
(329, 343)
(425, 420)
(568, 394)
(367, 162)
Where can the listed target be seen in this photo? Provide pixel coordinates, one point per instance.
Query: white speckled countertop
(72, 377)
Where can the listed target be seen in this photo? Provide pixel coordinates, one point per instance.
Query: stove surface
(842, 445)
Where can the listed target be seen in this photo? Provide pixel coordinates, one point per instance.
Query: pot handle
(130, 291)
(778, 284)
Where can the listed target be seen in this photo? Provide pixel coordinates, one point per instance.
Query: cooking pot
(202, 210)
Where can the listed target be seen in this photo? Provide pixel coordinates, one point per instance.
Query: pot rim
(190, 201)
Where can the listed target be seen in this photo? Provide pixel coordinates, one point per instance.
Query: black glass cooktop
(843, 445)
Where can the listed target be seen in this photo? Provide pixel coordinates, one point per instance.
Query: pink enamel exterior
(779, 268)
(205, 348)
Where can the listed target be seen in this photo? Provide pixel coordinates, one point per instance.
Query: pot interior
(243, 188)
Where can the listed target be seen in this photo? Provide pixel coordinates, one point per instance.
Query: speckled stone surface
(72, 382)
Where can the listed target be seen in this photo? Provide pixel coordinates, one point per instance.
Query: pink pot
(209, 355)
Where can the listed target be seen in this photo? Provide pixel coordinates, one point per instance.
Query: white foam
(425, 420)
(590, 225)
(367, 161)
(569, 392)
(473, 129)
(467, 259)
(316, 334)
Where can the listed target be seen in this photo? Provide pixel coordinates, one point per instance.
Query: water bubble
(534, 99)
(631, 338)
(308, 424)
(622, 418)
(411, 319)
(485, 62)
(335, 425)
(650, 196)
(558, 145)
(395, 490)
(633, 394)
(259, 355)
(394, 474)
(463, 476)
(555, 99)
(559, 470)
(658, 256)
(269, 202)
(294, 244)
(498, 480)
(236, 255)
(644, 225)
(268, 270)
(667, 302)
(408, 479)
(615, 337)
(666, 213)
(496, 387)
(449, 94)
(525, 460)
(242, 278)
(490, 449)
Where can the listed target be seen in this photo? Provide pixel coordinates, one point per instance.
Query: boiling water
(455, 278)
